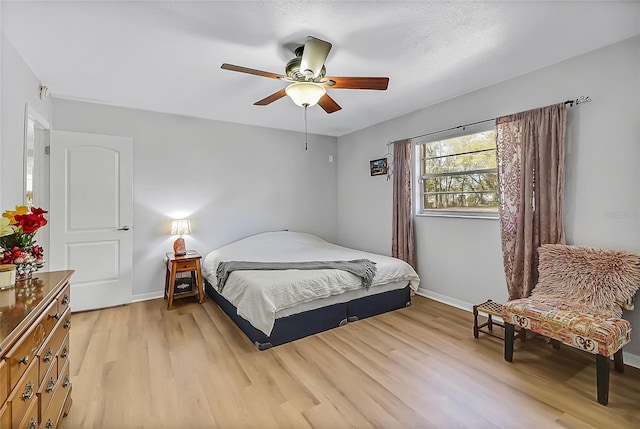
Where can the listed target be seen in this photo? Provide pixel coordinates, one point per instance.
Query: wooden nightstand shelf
(182, 264)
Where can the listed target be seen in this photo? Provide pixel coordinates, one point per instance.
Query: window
(459, 175)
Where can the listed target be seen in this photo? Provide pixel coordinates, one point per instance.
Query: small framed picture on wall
(378, 166)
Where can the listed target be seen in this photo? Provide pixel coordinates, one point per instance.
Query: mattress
(263, 296)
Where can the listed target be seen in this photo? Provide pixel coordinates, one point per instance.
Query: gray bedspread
(363, 268)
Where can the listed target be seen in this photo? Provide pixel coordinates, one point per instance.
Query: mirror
(29, 160)
(36, 165)
(36, 168)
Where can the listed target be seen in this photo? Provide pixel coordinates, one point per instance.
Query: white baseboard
(445, 299)
(147, 296)
(629, 358)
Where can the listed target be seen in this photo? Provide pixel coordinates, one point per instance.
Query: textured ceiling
(166, 56)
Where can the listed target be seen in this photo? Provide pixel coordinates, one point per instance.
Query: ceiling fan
(306, 75)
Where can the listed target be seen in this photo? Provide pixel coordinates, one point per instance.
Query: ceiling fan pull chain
(306, 140)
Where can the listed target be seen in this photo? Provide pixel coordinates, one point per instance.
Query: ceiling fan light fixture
(305, 93)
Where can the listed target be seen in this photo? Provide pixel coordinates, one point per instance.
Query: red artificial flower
(31, 222)
(38, 211)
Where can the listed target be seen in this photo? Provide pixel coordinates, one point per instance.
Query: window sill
(461, 215)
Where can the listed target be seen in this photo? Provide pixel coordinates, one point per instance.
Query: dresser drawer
(53, 413)
(65, 321)
(49, 351)
(30, 420)
(25, 350)
(47, 387)
(185, 266)
(51, 317)
(24, 394)
(64, 299)
(5, 417)
(4, 382)
(63, 354)
(46, 358)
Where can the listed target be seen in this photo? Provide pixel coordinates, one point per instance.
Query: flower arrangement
(17, 231)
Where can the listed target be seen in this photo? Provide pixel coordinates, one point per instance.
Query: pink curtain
(402, 245)
(530, 151)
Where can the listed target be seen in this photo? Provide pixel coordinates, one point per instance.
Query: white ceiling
(166, 56)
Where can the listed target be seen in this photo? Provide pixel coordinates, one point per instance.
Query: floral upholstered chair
(578, 301)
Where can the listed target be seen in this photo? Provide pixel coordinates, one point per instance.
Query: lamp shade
(305, 93)
(180, 227)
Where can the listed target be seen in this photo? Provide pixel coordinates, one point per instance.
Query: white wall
(460, 260)
(231, 180)
(1, 67)
(20, 86)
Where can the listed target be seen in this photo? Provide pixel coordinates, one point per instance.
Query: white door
(91, 215)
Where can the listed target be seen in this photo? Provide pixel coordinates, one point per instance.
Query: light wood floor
(140, 366)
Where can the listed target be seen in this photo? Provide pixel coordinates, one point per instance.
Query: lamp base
(179, 248)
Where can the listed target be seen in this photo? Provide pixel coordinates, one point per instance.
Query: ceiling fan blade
(270, 99)
(329, 104)
(247, 70)
(380, 83)
(313, 56)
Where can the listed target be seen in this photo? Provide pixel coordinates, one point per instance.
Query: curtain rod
(580, 100)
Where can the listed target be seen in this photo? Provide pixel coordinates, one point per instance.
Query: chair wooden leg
(602, 379)
(555, 344)
(475, 321)
(521, 334)
(618, 361)
(509, 330)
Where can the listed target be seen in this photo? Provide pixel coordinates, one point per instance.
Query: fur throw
(587, 276)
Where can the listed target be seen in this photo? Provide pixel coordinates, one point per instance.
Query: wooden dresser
(35, 319)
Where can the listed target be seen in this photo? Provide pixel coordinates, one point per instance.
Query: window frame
(418, 165)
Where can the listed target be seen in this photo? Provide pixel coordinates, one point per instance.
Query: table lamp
(181, 227)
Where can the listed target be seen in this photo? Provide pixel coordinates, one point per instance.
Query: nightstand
(182, 264)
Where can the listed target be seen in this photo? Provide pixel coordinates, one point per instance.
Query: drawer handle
(66, 382)
(33, 424)
(56, 316)
(51, 385)
(47, 356)
(49, 424)
(67, 324)
(65, 300)
(24, 360)
(28, 392)
(65, 352)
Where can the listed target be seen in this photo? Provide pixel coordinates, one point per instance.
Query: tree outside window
(460, 174)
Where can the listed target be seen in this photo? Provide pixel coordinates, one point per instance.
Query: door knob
(124, 228)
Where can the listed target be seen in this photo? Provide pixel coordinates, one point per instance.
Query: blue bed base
(296, 326)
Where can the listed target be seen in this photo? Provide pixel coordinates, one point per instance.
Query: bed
(273, 306)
